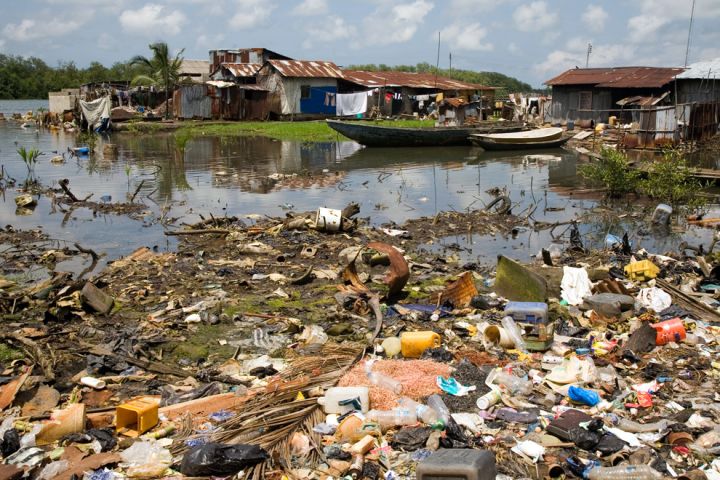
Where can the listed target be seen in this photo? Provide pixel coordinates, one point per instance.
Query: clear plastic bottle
(635, 427)
(392, 418)
(514, 385)
(514, 333)
(383, 381)
(424, 413)
(435, 402)
(628, 472)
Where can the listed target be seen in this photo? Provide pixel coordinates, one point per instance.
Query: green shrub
(669, 179)
(612, 170)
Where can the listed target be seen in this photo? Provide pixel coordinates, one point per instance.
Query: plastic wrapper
(217, 459)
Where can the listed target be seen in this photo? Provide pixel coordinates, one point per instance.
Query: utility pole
(587, 58)
(687, 50)
(450, 61)
(437, 62)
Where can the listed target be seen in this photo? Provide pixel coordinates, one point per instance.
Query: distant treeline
(491, 79)
(24, 78)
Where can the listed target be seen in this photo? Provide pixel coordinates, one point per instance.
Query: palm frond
(271, 416)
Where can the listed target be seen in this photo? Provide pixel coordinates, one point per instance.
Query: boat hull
(381, 136)
(490, 145)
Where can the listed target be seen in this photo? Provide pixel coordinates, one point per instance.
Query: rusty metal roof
(642, 101)
(306, 68)
(242, 69)
(194, 67)
(618, 77)
(408, 79)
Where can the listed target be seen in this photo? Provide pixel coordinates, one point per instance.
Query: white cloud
(534, 17)
(594, 18)
(395, 23)
(310, 7)
(467, 37)
(460, 7)
(209, 41)
(644, 27)
(2, 43)
(29, 29)
(332, 29)
(153, 20)
(251, 13)
(513, 48)
(603, 55)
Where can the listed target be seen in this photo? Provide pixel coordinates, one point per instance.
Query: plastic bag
(451, 386)
(654, 298)
(52, 470)
(217, 459)
(575, 285)
(146, 459)
(583, 395)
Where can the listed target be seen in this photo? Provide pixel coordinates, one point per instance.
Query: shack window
(585, 101)
(304, 92)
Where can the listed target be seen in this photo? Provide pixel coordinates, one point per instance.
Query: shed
(242, 55)
(591, 94)
(196, 70)
(300, 87)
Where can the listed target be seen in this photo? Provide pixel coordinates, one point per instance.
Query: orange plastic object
(668, 331)
(643, 270)
(413, 344)
(136, 416)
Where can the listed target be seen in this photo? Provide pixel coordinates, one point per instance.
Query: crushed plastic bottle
(628, 472)
(635, 427)
(392, 418)
(514, 333)
(512, 384)
(380, 380)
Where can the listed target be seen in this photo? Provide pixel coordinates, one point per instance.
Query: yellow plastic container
(136, 416)
(642, 270)
(413, 344)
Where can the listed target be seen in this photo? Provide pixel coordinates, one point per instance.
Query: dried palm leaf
(271, 416)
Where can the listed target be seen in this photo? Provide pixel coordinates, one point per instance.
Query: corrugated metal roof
(243, 69)
(708, 69)
(306, 68)
(195, 67)
(618, 77)
(642, 101)
(408, 79)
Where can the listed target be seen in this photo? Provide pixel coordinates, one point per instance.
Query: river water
(239, 176)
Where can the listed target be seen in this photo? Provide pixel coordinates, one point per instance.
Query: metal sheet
(408, 79)
(306, 68)
(619, 77)
(243, 70)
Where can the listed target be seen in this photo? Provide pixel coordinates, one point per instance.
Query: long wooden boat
(490, 144)
(381, 136)
(537, 135)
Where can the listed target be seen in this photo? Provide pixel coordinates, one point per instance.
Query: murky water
(258, 175)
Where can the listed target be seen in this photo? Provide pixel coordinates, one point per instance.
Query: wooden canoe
(488, 144)
(382, 136)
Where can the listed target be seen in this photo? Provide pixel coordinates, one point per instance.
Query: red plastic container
(668, 331)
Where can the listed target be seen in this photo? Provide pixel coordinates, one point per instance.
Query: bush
(669, 179)
(612, 170)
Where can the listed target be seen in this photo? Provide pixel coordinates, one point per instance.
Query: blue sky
(530, 40)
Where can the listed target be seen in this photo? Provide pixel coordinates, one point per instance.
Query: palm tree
(162, 69)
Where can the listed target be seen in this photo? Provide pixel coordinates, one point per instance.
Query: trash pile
(317, 347)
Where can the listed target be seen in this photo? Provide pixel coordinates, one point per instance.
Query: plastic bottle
(383, 381)
(424, 413)
(635, 427)
(435, 402)
(514, 385)
(488, 400)
(628, 472)
(392, 418)
(514, 333)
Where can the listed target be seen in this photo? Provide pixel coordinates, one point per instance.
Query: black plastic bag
(609, 444)
(585, 439)
(10, 443)
(410, 439)
(103, 435)
(218, 459)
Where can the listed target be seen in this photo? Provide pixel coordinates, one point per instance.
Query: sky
(532, 40)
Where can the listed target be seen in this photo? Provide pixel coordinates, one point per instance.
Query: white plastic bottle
(628, 472)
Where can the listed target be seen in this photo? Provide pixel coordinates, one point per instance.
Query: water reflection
(259, 175)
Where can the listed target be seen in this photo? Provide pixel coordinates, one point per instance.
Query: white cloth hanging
(351, 104)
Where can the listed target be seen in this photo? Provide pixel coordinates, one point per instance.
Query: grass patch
(310, 131)
(8, 354)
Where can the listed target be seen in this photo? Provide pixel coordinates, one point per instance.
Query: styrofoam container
(335, 395)
(527, 312)
(328, 219)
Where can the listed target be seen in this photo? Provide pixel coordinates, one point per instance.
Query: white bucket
(328, 219)
(498, 335)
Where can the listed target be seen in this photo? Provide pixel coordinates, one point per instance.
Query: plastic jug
(413, 344)
(340, 399)
(661, 215)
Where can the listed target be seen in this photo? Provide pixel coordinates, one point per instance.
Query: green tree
(160, 69)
